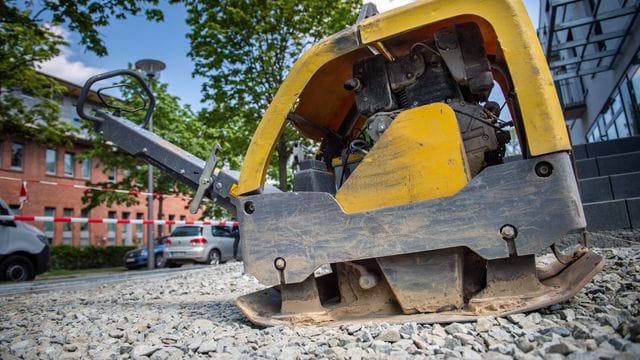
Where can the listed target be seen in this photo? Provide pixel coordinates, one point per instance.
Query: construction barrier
(84, 187)
(115, 221)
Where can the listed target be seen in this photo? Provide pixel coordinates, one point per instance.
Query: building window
(111, 175)
(171, 227)
(139, 229)
(48, 225)
(84, 228)
(17, 156)
(15, 209)
(612, 122)
(86, 168)
(111, 229)
(67, 228)
(68, 164)
(50, 161)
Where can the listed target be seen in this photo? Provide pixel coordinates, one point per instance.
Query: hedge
(89, 257)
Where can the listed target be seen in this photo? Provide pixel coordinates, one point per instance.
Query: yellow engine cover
(419, 157)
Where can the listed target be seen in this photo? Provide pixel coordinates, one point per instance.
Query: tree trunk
(283, 156)
(160, 227)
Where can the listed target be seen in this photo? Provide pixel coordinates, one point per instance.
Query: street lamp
(151, 69)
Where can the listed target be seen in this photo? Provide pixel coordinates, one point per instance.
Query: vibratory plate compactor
(406, 212)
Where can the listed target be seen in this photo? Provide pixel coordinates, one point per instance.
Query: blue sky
(136, 38)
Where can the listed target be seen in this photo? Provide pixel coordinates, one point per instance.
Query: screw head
(508, 232)
(279, 263)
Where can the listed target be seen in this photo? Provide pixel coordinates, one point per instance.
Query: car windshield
(187, 231)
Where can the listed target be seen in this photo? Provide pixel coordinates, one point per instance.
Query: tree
(244, 49)
(175, 123)
(28, 37)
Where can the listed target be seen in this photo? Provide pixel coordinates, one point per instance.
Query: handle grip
(80, 107)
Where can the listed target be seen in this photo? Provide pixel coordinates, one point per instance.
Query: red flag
(23, 194)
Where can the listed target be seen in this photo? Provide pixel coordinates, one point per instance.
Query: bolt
(367, 281)
(364, 98)
(409, 75)
(508, 232)
(544, 169)
(280, 264)
(218, 185)
(144, 150)
(485, 137)
(352, 85)
(182, 171)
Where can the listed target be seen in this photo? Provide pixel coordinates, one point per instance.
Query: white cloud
(63, 67)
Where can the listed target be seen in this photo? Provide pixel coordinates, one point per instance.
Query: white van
(24, 250)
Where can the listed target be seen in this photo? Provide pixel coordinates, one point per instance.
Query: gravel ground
(192, 315)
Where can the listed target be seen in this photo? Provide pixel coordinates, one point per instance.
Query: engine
(452, 67)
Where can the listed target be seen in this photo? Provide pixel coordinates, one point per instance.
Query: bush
(89, 257)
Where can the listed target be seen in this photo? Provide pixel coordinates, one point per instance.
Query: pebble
(192, 315)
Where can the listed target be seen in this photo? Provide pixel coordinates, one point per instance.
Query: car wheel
(17, 268)
(159, 261)
(213, 258)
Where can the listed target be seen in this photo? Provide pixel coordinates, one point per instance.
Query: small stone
(524, 344)
(355, 353)
(116, 334)
(419, 342)
(562, 348)
(352, 329)
(143, 350)
(618, 343)
(455, 328)
(389, 335)
(438, 330)
(203, 324)
(69, 347)
(534, 318)
(568, 315)
(582, 356)
(590, 344)
(465, 338)
(334, 353)
(557, 330)
(207, 347)
(500, 335)
(125, 349)
(580, 331)
(468, 354)
(516, 318)
(494, 355)
(381, 347)
(485, 324)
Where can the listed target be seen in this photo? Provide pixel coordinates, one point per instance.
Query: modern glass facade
(619, 117)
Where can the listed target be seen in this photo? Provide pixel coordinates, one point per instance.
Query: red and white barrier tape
(115, 221)
(84, 187)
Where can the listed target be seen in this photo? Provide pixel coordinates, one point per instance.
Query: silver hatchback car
(209, 244)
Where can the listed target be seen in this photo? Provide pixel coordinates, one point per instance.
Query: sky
(136, 38)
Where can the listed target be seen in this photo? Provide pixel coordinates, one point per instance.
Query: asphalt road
(85, 282)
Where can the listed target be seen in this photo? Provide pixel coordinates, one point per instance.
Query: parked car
(136, 259)
(24, 250)
(202, 243)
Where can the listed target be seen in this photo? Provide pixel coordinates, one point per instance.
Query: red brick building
(29, 161)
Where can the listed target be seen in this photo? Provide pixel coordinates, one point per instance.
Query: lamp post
(151, 69)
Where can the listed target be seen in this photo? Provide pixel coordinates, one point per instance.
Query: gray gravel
(192, 315)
